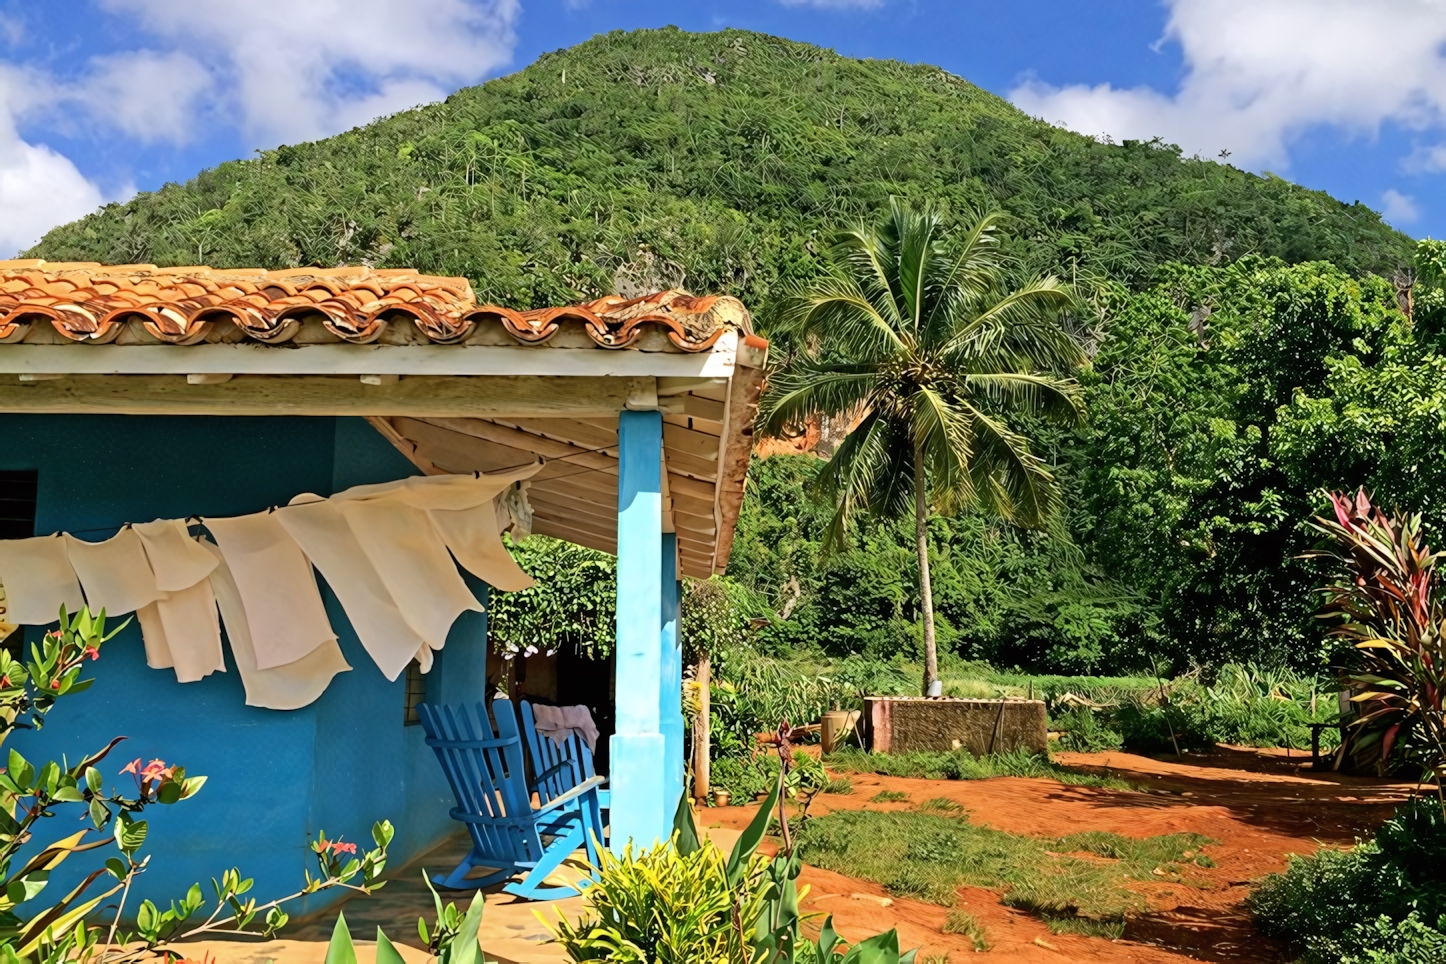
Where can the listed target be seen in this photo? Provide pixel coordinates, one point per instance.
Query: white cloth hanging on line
(289, 687)
(181, 632)
(38, 580)
(285, 616)
(455, 506)
(178, 561)
(115, 574)
(413, 563)
(321, 530)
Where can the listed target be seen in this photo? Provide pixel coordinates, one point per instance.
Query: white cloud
(1258, 74)
(147, 95)
(299, 70)
(38, 187)
(1398, 208)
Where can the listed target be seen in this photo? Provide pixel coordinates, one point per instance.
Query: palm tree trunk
(926, 591)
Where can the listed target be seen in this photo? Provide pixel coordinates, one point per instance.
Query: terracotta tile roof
(96, 304)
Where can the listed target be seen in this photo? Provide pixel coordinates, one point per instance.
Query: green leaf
(191, 786)
(116, 867)
(69, 795)
(748, 842)
(879, 949)
(169, 792)
(93, 779)
(465, 949)
(99, 813)
(386, 952)
(20, 771)
(685, 831)
(340, 950)
(130, 834)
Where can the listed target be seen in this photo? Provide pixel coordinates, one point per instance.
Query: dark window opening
(416, 694)
(17, 521)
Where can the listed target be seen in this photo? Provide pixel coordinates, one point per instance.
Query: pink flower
(55, 684)
(93, 653)
(156, 770)
(133, 767)
(336, 846)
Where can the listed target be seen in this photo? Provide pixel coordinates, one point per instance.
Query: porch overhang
(456, 386)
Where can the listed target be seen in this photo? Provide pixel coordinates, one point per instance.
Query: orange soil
(1260, 805)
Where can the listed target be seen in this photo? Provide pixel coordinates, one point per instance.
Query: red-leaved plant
(1386, 603)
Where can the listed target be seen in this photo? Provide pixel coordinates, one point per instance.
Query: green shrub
(748, 777)
(962, 765)
(1335, 905)
(1086, 731)
(963, 922)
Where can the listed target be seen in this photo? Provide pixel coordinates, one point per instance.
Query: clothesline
(390, 553)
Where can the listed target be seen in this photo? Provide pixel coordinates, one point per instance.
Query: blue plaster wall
(275, 778)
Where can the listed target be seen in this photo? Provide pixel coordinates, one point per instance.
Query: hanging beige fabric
(178, 561)
(38, 580)
(441, 491)
(284, 611)
(321, 529)
(413, 563)
(472, 536)
(288, 687)
(115, 574)
(181, 632)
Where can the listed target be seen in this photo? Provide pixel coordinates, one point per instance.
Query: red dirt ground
(1259, 804)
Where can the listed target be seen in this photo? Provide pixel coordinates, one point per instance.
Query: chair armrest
(549, 772)
(587, 786)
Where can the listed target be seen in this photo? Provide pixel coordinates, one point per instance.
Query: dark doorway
(17, 521)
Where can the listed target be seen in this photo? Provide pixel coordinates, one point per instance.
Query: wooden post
(702, 738)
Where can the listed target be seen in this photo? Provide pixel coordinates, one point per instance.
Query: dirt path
(1258, 804)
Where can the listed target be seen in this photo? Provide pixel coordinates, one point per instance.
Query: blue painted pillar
(638, 763)
(670, 691)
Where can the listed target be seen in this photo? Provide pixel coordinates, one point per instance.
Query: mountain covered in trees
(1252, 344)
(718, 162)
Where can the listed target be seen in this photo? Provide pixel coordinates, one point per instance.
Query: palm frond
(814, 389)
(1008, 476)
(1026, 319)
(841, 313)
(1059, 399)
(869, 259)
(941, 430)
(970, 276)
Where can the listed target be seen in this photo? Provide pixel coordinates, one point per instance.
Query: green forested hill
(715, 161)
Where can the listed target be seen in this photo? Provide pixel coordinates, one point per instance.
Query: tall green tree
(941, 362)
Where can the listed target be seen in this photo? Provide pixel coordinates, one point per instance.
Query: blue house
(136, 393)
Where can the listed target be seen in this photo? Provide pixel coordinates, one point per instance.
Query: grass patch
(837, 785)
(963, 922)
(962, 765)
(1075, 883)
(888, 796)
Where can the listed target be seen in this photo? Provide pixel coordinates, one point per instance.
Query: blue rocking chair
(559, 767)
(509, 834)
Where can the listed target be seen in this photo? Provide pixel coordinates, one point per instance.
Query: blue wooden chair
(557, 768)
(509, 834)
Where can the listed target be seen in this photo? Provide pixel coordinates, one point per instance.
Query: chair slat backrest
(485, 770)
(547, 753)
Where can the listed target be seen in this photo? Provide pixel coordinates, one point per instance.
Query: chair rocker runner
(559, 767)
(485, 769)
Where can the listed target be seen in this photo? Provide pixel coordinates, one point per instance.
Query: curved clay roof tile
(93, 303)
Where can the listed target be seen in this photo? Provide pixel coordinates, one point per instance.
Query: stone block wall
(898, 724)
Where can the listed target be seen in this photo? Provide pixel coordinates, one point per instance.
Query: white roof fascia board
(247, 359)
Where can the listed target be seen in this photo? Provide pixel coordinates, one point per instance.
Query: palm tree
(924, 343)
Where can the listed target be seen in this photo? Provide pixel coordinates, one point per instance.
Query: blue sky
(101, 98)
